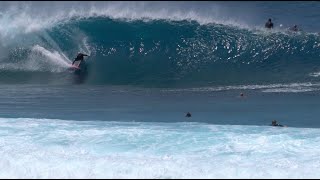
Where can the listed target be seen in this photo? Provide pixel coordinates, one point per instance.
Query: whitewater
(65, 149)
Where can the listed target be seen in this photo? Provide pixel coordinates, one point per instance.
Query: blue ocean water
(150, 63)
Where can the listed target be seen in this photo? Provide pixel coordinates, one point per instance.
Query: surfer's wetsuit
(269, 24)
(79, 58)
(274, 123)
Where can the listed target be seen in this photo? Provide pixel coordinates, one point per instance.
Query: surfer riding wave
(79, 58)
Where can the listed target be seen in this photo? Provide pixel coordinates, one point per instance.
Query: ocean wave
(171, 49)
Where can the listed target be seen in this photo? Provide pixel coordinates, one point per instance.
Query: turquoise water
(186, 46)
(124, 103)
(150, 63)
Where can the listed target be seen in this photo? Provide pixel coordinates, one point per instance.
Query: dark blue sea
(149, 64)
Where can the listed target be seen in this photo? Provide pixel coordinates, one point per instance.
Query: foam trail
(54, 57)
(38, 59)
(290, 87)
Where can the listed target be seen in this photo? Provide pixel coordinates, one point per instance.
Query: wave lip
(24, 19)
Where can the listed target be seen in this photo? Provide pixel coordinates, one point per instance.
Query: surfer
(188, 114)
(79, 58)
(80, 69)
(274, 123)
(269, 24)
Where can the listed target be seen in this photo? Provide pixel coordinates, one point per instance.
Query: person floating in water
(241, 95)
(79, 58)
(269, 24)
(294, 28)
(188, 114)
(274, 123)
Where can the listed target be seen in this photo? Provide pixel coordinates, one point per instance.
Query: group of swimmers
(273, 123)
(269, 25)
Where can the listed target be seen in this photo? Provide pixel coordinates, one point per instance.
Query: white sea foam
(54, 57)
(316, 74)
(40, 59)
(48, 148)
(18, 18)
(289, 87)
